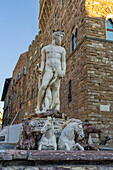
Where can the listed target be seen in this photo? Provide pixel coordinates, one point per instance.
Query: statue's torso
(53, 56)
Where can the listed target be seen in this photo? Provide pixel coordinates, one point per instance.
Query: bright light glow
(99, 8)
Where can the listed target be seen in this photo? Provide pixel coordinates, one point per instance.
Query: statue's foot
(44, 110)
(37, 110)
(55, 107)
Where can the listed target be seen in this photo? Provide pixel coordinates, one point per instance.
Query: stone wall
(100, 76)
(16, 89)
(96, 27)
(100, 84)
(77, 73)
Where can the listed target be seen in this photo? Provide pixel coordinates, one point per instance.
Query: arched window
(18, 76)
(33, 93)
(73, 37)
(74, 40)
(13, 81)
(55, 17)
(70, 92)
(27, 95)
(109, 29)
(24, 70)
(50, 31)
(62, 1)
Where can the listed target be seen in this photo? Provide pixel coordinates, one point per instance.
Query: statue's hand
(37, 66)
(40, 70)
(61, 74)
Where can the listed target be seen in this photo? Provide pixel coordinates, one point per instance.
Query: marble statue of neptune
(53, 67)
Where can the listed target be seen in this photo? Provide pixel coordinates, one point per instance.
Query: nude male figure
(54, 66)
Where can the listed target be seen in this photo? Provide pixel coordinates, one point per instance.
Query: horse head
(48, 125)
(80, 131)
(77, 124)
(89, 128)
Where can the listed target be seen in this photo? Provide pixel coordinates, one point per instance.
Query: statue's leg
(55, 95)
(55, 146)
(90, 139)
(45, 82)
(67, 147)
(40, 147)
(57, 106)
(48, 98)
(77, 145)
(91, 147)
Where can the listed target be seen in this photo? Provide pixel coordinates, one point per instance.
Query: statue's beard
(56, 40)
(57, 43)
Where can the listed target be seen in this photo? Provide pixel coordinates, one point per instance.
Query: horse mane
(64, 125)
(71, 121)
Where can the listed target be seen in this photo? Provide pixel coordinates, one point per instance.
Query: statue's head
(58, 36)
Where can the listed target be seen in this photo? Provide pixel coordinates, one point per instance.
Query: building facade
(87, 89)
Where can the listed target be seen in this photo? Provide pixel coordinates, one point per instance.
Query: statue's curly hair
(58, 33)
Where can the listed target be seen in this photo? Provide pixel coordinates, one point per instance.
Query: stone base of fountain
(55, 160)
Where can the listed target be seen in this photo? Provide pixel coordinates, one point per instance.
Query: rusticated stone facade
(16, 91)
(87, 89)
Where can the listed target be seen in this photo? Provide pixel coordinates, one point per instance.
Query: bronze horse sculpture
(88, 129)
(26, 139)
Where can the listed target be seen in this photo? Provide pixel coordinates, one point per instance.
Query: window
(55, 17)
(27, 95)
(70, 94)
(18, 76)
(73, 37)
(61, 4)
(9, 100)
(24, 70)
(50, 31)
(33, 93)
(109, 29)
(74, 40)
(13, 82)
(62, 1)
(20, 105)
(30, 61)
(35, 55)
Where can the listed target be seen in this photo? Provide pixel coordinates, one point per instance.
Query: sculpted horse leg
(77, 145)
(40, 147)
(90, 139)
(67, 147)
(55, 146)
(91, 147)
